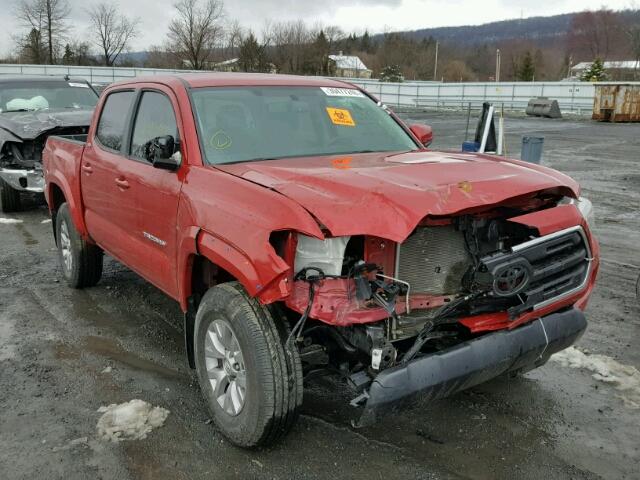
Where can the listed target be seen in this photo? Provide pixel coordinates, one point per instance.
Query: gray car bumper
(442, 374)
(23, 180)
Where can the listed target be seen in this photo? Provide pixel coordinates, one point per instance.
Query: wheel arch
(58, 192)
(209, 260)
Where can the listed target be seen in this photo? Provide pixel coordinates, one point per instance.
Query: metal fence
(574, 97)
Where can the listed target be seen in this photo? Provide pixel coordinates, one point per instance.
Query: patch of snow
(132, 420)
(46, 220)
(9, 221)
(106, 370)
(624, 378)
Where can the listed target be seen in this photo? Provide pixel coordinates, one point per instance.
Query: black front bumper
(444, 373)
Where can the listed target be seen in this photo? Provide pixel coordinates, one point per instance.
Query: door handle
(122, 183)
(87, 168)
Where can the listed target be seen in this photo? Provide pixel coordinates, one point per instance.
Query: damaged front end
(461, 300)
(21, 159)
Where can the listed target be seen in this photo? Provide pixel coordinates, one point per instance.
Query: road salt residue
(9, 221)
(130, 420)
(624, 378)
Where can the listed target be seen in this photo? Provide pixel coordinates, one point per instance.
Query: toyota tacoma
(305, 229)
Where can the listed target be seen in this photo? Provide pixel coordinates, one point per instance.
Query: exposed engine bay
(406, 300)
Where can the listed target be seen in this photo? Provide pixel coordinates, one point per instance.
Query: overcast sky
(351, 15)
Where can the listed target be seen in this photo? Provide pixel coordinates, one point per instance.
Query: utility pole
(497, 65)
(435, 66)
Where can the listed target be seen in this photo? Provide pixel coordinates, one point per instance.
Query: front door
(155, 191)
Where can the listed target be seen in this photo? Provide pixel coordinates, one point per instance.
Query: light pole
(497, 65)
(435, 66)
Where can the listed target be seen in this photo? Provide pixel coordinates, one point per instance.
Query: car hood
(29, 125)
(387, 195)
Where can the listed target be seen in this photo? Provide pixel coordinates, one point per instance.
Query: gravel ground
(555, 422)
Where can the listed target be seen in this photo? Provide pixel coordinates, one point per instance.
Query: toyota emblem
(511, 280)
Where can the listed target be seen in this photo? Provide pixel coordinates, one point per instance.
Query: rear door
(110, 211)
(155, 192)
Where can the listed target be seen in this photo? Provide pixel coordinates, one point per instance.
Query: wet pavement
(555, 422)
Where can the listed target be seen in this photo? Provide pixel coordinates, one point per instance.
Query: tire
(269, 403)
(10, 198)
(81, 262)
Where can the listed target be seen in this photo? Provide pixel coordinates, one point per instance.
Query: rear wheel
(10, 198)
(252, 383)
(81, 261)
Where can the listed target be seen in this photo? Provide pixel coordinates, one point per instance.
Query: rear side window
(113, 120)
(155, 118)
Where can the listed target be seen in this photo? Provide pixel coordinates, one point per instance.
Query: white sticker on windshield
(80, 85)
(341, 92)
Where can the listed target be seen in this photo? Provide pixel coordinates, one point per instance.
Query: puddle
(85, 307)
(109, 349)
(29, 239)
(62, 351)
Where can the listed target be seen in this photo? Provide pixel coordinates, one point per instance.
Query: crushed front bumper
(23, 180)
(442, 374)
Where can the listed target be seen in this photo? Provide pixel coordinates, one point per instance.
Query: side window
(113, 119)
(155, 118)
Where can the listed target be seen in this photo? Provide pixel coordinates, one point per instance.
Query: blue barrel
(532, 149)
(470, 146)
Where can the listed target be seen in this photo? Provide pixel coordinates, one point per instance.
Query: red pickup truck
(305, 229)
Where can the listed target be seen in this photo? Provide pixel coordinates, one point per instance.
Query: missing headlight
(326, 255)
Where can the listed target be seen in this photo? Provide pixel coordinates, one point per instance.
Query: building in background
(349, 66)
(623, 70)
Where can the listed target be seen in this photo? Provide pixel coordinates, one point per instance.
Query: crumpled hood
(388, 195)
(29, 125)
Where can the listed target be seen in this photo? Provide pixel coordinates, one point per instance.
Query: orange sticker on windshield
(340, 116)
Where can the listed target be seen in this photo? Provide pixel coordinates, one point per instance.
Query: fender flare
(75, 207)
(268, 283)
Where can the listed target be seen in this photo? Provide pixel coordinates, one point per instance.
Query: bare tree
(634, 40)
(234, 38)
(289, 43)
(196, 31)
(49, 18)
(593, 34)
(111, 31)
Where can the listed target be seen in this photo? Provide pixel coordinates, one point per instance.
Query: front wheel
(251, 380)
(81, 261)
(10, 198)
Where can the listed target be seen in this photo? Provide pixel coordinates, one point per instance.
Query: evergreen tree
(391, 73)
(320, 52)
(68, 57)
(527, 70)
(595, 73)
(365, 43)
(253, 57)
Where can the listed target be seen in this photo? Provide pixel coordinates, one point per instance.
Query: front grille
(538, 272)
(560, 265)
(433, 260)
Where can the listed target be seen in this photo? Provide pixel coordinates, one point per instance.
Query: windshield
(30, 95)
(238, 124)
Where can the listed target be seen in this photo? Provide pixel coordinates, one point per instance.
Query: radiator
(433, 260)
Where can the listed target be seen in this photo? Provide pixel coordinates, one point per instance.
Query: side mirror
(424, 133)
(164, 153)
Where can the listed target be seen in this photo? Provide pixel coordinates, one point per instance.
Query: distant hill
(543, 31)
(136, 58)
